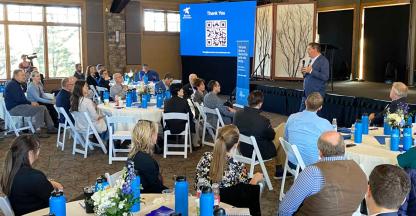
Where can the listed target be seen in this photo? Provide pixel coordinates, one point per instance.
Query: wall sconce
(117, 36)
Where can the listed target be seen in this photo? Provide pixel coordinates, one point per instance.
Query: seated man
(251, 123)
(211, 100)
(152, 75)
(189, 87)
(332, 186)
(303, 129)
(163, 85)
(18, 105)
(118, 89)
(388, 187)
(178, 104)
(398, 96)
(78, 72)
(63, 99)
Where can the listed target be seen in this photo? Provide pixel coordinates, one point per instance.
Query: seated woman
(219, 167)
(91, 78)
(28, 189)
(104, 79)
(178, 105)
(143, 141)
(81, 103)
(35, 93)
(198, 96)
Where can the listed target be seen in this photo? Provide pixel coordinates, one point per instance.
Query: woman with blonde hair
(28, 189)
(144, 138)
(220, 167)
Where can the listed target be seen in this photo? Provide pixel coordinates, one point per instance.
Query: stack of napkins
(237, 211)
(162, 211)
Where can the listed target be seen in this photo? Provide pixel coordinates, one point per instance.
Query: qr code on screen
(216, 33)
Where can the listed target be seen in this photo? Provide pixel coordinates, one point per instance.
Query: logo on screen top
(187, 13)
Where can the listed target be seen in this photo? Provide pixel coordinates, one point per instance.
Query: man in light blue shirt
(304, 128)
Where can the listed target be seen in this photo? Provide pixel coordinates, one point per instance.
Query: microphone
(303, 63)
(310, 61)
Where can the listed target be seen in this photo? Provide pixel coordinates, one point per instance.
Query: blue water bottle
(106, 97)
(135, 187)
(386, 126)
(101, 184)
(167, 95)
(206, 202)
(144, 101)
(159, 100)
(395, 139)
(409, 120)
(145, 79)
(133, 95)
(148, 96)
(181, 196)
(57, 203)
(129, 100)
(365, 122)
(358, 132)
(407, 137)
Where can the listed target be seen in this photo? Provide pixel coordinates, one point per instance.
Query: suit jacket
(251, 123)
(188, 90)
(388, 214)
(392, 107)
(212, 101)
(63, 99)
(409, 206)
(160, 85)
(180, 105)
(316, 80)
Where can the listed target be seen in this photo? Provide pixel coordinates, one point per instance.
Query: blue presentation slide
(213, 29)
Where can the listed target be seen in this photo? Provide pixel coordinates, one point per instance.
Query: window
(64, 50)
(28, 27)
(3, 74)
(63, 15)
(1, 12)
(24, 13)
(25, 39)
(161, 21)
(173, 20)
(154, 21)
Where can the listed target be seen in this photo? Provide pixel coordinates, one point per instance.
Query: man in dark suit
(388, 187)
(163, 85)
(189, 87)
(251, 123)
(398, 96)
(63, 99)
(316, 73)
(179, 105)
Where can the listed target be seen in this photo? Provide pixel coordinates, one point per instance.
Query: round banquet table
(149, 203)
(371, 152)
(151, 113)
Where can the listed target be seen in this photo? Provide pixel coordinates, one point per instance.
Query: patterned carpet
(75, 172)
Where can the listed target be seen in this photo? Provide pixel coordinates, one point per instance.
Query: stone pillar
(116, 50)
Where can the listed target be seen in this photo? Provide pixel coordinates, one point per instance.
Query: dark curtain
(336, 28)
(386, 35)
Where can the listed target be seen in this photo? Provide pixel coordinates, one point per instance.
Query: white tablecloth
(370, 152)
(152, 113)
(151, 202)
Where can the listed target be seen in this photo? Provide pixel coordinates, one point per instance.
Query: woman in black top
(104, 79)
(28, 189)
(91, 78)
(144, 138)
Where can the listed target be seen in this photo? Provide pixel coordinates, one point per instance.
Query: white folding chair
(84, 137)
(112, 179)
(252, 161)
(62, 126)
(292, 150)
(95, 96)
(207, 125)
(12, 126)
(186, 133)
(115, 134)
(101, 89)
(5, 206)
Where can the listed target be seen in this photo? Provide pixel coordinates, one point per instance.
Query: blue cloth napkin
(347, 136)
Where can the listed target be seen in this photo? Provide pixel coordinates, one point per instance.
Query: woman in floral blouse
(220, 167)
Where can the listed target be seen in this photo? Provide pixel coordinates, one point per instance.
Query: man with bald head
(189, 88)
(63, 99)
(332, 186)
(118, 89)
